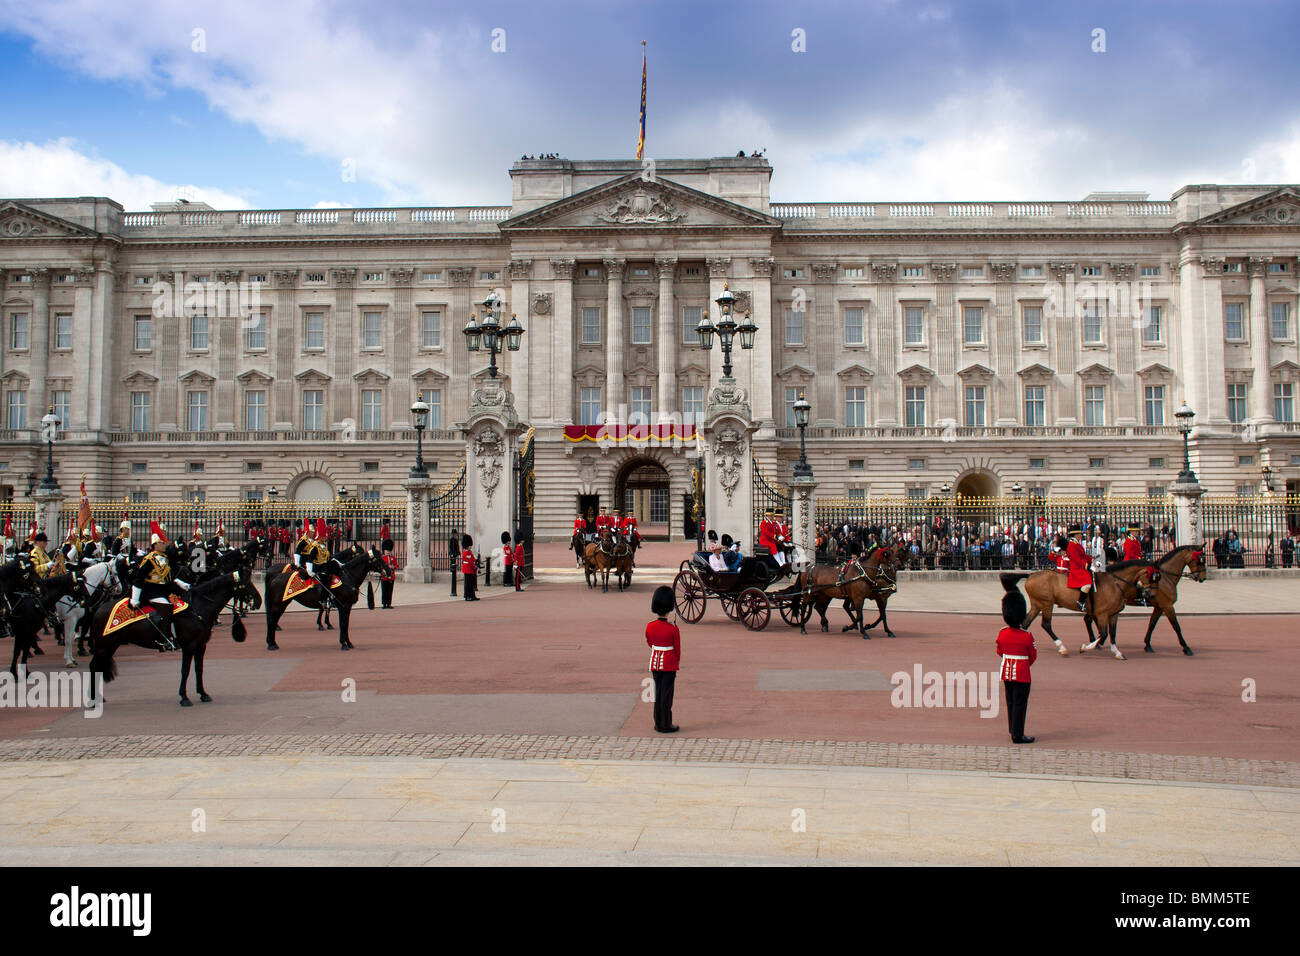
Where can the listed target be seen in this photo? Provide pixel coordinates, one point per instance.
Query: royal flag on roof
(640, 140)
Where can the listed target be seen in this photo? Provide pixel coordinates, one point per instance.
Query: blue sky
(268, 104)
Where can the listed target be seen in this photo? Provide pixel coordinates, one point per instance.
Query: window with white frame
(313, 277)
(793, 327)
(690, 321)
(641, 405)
(1277, 267)
(313, 409)
(141, 411)
(914, 405)
(692, 404)
(372, 409)
(640, 326)
(1092, 324)
(1284, 401)
(1094, 405)
(143, 337)
(255, 410)
(433, 398)
(1236, 402)
(313, 337)
(1280, 320)
(1234, 327)
(1151, 331)
(61, 399)
(854, 331)
(972, 272)
(975, 405)
(372, 330)
(198, 333)
(431, 329)
(1032, 324)
(855, 406)
(1090, 270)
(18, 328)
(913, 325)
(1035, 405)
(913, 272)
(590, 326)
(589, 406)
(18, 408)
(63, 331)
(853, 272)
(791, 396)
(196, 418)
(1031, 272)
(1150, 271)
(857, 494)
(256, 340)
(1153, 404)
(973, 325)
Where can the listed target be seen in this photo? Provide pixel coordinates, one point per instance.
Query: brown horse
(1136, 578)
(883, 591)
(601, 557)
(624, 564)
(854, 583)
(1189, 561)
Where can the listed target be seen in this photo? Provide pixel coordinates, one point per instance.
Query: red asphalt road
(564, 639)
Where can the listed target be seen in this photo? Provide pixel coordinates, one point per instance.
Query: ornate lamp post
(727, 329)
(490, 334)
(1018, 502)
(420, 415)
(1184, 417)
(801, 409)
(49, 431)
(1266, 489)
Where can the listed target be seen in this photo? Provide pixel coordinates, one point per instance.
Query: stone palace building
(196, 352)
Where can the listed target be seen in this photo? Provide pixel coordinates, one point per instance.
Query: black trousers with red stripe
(665, 683)
(1017, 706)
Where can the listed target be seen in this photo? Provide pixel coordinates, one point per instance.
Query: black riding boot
(164, 640)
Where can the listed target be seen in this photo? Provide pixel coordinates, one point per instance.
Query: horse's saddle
(297, 584)
(123, 614)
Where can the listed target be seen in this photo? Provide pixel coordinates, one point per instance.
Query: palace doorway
(975, 498)
(642, 489)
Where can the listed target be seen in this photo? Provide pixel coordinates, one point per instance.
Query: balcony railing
(316, 218)
(950, 433)
(976, 210)
(296, 435)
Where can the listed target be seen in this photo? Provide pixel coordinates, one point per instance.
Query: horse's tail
(1011, 579)
(106, 668)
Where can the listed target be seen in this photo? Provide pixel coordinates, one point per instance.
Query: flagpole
(640, 142)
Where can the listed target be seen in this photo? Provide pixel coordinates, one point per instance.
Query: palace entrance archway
(643, 489)
(974, 498)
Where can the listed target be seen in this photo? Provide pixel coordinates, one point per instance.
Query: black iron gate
(525, 487)
(768, 496)
(695, 511)
(446, 514)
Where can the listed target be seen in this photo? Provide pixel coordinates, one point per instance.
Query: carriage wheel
(793, 611)
(689, 596)
(684, 566)
(729, 602)
(753, 609)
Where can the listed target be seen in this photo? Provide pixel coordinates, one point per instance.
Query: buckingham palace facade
(980, 345)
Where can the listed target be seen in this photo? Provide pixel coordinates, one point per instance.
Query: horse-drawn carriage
(745, 594)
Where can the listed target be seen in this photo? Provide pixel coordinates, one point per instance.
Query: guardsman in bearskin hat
(1080, 574)
(1059, 560)
(153, 582)
(469, 568)
(1016, 647)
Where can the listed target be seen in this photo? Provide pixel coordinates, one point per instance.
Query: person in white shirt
(1098, 549)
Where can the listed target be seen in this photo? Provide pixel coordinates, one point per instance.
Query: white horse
(100, 580)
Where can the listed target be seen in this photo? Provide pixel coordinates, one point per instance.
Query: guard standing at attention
(507, 560)
(469, 568)
(665, 642)
(1016, 645)
(519, 565)
(388, 575)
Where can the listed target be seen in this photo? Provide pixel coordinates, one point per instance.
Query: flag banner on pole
(640, 140)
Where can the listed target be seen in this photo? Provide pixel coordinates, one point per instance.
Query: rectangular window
(640, 272)
(255, 410)
(18, 409)
(1097, 494)
(62, 402)
(913, 272)
(855, 407)
(690, 320)
(139, 468)
(1096, 462)
(640, 326)
(691, 270)
(1232, 267)
(853, 328)
(372, 277)
(1153, 404)
(914, 405)
(314, 276)
(640, 406)
(197, 497)
(18, 331)
(1033, 324)
(63, 331)
(372, 409)
(1236, 403)
(793, 273)
(793, 327)
(1038, 463)
(486, 276)
(1151, 329)
(1234, 328)
(1031, 272)
(972, 272)
(198, 333)
(430, 330)
(196, 418)
(430, 276)
(1277, 267)
(791, 396)
(1094, 405)
(591, 272)
(590, 327)
(913, 325)
(371, 467)
(1280, 320)
(433, 398)
(372, 332)
(1245, 459)
(589, 406)
(972, 325)
(853, 272)
(1155, 463)
(1284, 402)
(693, 404)
(916, 464)
(140, 497)
(1092, 324)
(857, 464)
(143, 333)
(141, 417)
(314, 331)
(313, 409)
(1150, 270)
(257, 332)
(196, 466)
(1035, 405)
(975, 405)
(1090, 271)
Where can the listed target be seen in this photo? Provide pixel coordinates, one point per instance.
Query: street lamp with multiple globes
(420, 414)
(49, 430)
(727, 329)
(801, 409)
(1184, 417)
(490, 334)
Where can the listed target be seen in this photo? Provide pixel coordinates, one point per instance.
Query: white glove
(135, 598)
(182, 585)
(297, 559)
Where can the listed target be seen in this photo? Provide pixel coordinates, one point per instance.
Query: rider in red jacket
(1080, 565)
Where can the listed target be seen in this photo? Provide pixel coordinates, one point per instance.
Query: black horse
(30, 610)
(353, 565)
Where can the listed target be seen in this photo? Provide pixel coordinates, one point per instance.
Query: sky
(316, 103)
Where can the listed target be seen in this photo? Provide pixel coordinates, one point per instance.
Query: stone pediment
(1280, 207)
(976, 371)
(370, 376)
(1036, 373)
(1096, 372)
(19, 221)
(795, 370)
(426, 375)
(197, 377)
(1285, 369)
(1156, 370)
(914, 373)
(139, 378)
(635, 203)
(856, 370)
(254, 377)
(312, 376)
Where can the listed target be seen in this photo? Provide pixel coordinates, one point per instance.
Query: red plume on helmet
(157, 532)
(9, 526)
(321, 530)
(197, 533)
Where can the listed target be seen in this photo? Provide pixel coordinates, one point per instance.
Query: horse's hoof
(866, 636)
(1187, 651)
(205, 698)
(1064, 653)
(1120, 657)
(329, 627)
(890, 634)
(186, 702)
(1149, 649)
(272, 646)
(319, 628)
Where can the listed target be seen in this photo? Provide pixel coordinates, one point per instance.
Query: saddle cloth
(123, 614)
(297, 584)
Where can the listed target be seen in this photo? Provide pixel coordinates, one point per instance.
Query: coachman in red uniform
(1016, 645)
(1080, 565)
(507, 560)
(665, 642)
(1132, 546)
(628, 527)
(603, 523)
(469, 568)
(769, 538)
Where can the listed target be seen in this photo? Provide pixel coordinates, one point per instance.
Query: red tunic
(629, 525)
(579, 526)
(665, 645)
(1132, 549)
(519, 555)
(1017, 650)
(1080, 563)
(767, 532)
(468, 563)
(603, 522)
(1062, 562)
(388, 574)
(507, 555)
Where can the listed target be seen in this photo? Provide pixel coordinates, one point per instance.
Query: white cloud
(61, 168)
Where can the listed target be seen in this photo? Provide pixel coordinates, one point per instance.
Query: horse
(1187, 560)
(17, 576)
(100, 584)
(600, 558)
(578, 545)
(1134, 576)
(353, 564)
(624, 565)
(192, 627)
(854, 582)
(1047, 589)
(30, 611)
(880, 591)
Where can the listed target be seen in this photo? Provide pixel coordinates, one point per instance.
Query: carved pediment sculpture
(641, 207)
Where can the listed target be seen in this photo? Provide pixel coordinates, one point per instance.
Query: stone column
(819, 328)
(1261, 399)
(402, 338)
(666, 268)
(1063, 335)
(285, 332)
(227, 334)
(342, 347)
(764, 339)
(561, 377)
(418, 569)
(1210, 346)
(615, 394)
(491, 433)
(1186, 497)
(521, 362)
(1002, 349)
(804, 512)
(101, 376)
(49, 502)
(38, 392)
(729, 462)
(1126, 348)
(458, 313)
(884, 347)
(169, 332)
